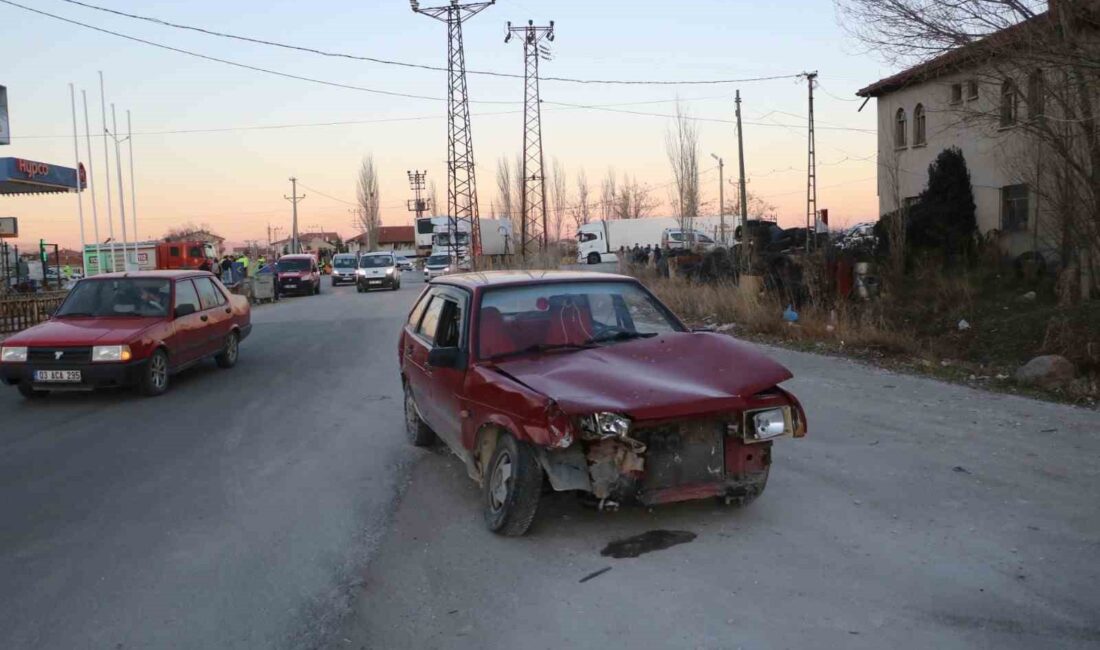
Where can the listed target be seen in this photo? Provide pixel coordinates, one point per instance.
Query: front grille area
(683, 453)
(68, 357)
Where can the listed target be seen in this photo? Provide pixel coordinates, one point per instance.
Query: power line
(698, 119)
(405, 64)
(245, 66)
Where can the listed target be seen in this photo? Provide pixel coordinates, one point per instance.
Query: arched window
(1009, 103)
(900, 129)
(1036, 92)
(919, 131)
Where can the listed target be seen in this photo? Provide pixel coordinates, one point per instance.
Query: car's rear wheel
(28, 391)
(418, 431)
(228, 356)
(512, 486)
(154, 378)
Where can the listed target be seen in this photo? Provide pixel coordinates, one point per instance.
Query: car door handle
(204, 318)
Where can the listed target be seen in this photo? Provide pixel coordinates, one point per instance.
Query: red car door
(217, 317)
(417, 342)
(188, 337)
(447, 382)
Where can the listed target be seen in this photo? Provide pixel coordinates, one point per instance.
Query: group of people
(233, 270)
(644, 256)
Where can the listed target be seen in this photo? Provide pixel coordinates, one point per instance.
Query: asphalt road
(266, 507)
(236, 511)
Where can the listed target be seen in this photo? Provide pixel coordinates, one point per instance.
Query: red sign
(31, 168)
(82, 175)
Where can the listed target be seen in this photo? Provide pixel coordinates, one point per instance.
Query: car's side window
(449, 334)
(208, 293)
(430, 323)
(418, 310)
(186, 295)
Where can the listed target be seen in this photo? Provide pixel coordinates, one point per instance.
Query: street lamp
(721, 199)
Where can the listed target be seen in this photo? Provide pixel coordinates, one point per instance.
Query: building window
(1009, 103)
(1035, 95)
(956, 93)
(1014, 208)
(972, 89)
(899, 129)
(919, 131)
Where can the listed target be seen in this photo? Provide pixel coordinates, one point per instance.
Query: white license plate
(290, 285)
(57, 375)
(376, 282)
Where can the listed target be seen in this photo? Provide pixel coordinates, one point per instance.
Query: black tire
(154, 377)
(418, 431)
(335, 283)
(512, 487)
(227, 358)
(317, 289)
(358, 289)
(28, 391)
(594, 258)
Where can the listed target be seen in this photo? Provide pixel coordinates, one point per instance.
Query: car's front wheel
(228, 356)
(28, 391)
(512, 486)
(154, 378)
(418, 431)
(594, 258)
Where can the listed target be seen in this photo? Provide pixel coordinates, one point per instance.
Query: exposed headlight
(107, 353)
(389, 271)
(770, 424)
(13, 355)
(446, 269)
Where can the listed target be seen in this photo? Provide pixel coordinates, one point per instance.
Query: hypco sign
(31, 168)
(9, 227)
(5, 128)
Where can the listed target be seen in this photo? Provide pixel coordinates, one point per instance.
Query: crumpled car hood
(667, 376)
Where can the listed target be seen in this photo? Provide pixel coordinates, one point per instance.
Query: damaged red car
(587, 382)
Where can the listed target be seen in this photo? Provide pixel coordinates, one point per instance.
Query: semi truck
(147, 256)
(599, 241)
(496, 239)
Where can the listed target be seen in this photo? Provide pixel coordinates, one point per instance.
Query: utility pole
(107, 183)
(294, 200)
(741, 164)
(811, 168)
(721, 199)
(121, 195)
(533, 230)
(419, 205)
(461, 180)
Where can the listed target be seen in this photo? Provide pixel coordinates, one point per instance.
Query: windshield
(568, 315)
(293, 264)
(375, 261)
(122, 297)
(341, 262)
(439, 260)
(444, 239)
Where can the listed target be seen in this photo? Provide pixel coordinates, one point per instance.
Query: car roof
(298, 256)
(487, 279)
(165, 274)
(378, 253)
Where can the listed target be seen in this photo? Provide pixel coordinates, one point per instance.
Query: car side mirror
(444, 357)
(184, 310)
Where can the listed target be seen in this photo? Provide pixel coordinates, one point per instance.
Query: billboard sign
(9, 227)
(5, 128)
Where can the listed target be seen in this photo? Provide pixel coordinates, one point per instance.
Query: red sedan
(128, 329)
(589, 380)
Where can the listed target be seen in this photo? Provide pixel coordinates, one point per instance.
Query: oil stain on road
(654, 540)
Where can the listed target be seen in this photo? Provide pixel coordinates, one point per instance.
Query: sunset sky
(234, 176)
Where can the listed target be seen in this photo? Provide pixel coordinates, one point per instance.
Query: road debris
(595, 574)
(960, 469)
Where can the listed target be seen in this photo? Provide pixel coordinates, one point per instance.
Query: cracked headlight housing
(768, 424)
(604, 425)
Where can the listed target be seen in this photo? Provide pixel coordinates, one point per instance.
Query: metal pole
(91, 186)
(76, 162)
(741, 166)
(722, 201)
(121, 200)
(133, 190)
(107, 173)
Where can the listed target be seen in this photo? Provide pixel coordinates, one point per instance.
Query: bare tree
(559, 199)
(504, 189)
(581, 214)
(634, 200)
(188, 231)
(682, 146)
(1049, 63)
(369, 213)
(608, 195)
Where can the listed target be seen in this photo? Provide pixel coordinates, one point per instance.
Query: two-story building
(986, 99)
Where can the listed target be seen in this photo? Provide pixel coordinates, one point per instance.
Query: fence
(18, 312)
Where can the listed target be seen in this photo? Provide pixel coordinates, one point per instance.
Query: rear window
(439, 260)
